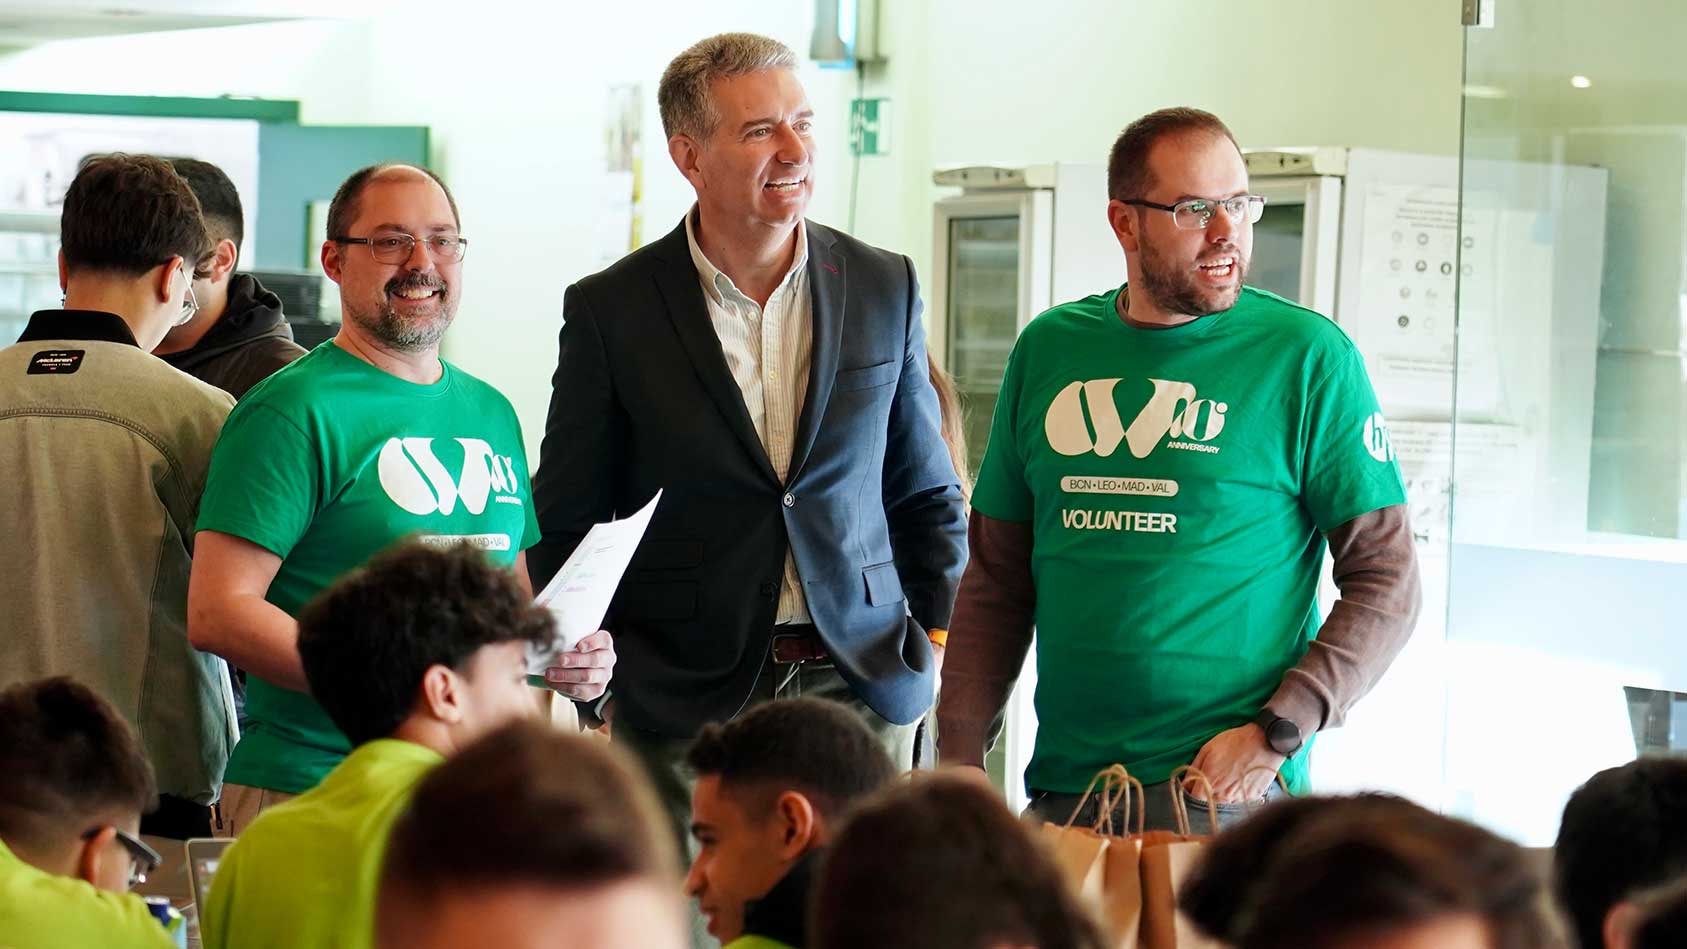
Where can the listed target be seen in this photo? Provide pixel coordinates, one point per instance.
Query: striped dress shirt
(768, 351)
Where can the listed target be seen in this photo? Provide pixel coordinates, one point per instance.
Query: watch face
(1284, 736)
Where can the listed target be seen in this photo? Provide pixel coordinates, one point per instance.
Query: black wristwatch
(1281, 734)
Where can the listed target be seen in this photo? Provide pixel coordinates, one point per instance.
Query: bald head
(342, 211)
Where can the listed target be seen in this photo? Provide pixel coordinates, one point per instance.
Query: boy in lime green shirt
(75, 785)
(412, 657)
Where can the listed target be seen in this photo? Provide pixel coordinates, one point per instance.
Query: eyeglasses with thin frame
(1194, 214)
(142, 859)
(395, 247)
(190, 303)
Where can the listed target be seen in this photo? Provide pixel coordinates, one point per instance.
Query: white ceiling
(29, 22)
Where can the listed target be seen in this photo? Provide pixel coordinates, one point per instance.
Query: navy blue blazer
(642, 400)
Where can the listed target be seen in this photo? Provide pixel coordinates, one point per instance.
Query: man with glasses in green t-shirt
(368, 438)
(1168, 463)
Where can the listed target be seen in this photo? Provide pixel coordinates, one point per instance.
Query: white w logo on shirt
(1174, 408)
(416, 481)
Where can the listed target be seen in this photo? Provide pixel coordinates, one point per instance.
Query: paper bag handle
(1104, 778)
(1115, 782)
(1180, 810)
(1120, 784)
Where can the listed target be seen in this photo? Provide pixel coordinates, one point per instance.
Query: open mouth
(785, 185)
(1219, 268)
(709, 920)
(416, 293)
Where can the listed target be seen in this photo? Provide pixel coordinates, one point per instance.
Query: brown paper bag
(1081, 856)
(1121, 912)
(1101, 868)
(1167, 858)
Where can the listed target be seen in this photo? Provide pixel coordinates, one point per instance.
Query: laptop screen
(203, 855)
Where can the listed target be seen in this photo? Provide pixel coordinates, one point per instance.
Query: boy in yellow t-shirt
(75, 785)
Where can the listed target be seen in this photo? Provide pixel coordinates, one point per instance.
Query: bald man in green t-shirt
(369, 438)
(1168, 463)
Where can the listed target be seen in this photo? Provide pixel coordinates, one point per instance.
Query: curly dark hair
(941, 863)
(367, 640)
(1324, 871)
(819, 748)
(126, 214)
(68, 757)
(1623, 831)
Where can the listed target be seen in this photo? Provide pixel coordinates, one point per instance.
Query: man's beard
(408, 334)
(1175, 290)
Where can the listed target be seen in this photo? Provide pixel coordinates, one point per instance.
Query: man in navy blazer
(769, 375)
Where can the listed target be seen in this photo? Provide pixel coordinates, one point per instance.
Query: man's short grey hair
(683, 97)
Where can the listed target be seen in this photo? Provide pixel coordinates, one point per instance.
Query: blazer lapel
(683, 294)
(827, 288)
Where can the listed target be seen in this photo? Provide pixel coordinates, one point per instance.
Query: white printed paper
(578, 596)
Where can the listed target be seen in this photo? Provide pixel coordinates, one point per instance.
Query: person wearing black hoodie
(239, 337)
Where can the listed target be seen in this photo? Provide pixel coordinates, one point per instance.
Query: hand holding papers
(579, 595)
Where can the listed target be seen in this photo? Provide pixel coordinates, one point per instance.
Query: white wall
(1057, 80)
(515, 94)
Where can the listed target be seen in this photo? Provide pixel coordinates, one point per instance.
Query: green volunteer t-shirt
(40, 910)
(326, 463)
(306, 872)
(1178, 483)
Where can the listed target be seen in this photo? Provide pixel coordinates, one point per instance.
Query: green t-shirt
(306, 872)
(40, 910)
(1178, 483)
(326, 463)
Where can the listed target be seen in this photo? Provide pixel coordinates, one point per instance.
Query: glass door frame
(1034, 207)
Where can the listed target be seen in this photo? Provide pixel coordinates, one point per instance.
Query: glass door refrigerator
(1007, 247)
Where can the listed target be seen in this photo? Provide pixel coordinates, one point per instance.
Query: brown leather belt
(798, 643)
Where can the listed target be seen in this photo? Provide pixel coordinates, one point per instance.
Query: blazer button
(790, 500)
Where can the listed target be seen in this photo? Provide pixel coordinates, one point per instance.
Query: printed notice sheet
(578, 596)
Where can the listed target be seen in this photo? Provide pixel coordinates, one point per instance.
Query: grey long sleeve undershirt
(1376, 571)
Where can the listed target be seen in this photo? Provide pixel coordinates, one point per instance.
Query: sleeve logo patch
(1376, 438)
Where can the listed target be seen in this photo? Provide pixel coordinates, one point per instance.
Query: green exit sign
(869, 126)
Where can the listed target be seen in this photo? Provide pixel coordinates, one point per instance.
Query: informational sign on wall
(1414, 253)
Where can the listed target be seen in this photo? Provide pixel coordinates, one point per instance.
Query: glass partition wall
(1562, 638)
